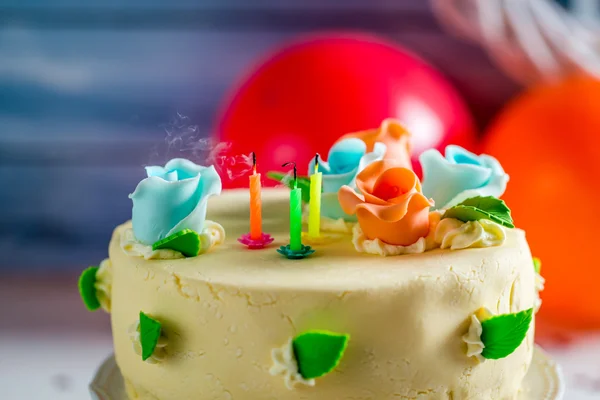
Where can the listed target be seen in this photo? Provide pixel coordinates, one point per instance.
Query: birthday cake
(356, 282)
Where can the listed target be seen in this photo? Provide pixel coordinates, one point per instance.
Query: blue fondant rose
(345, 160)
(172, 198)
(460, 175)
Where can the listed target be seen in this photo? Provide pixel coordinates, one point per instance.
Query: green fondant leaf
(303, 183)
(502, 334)
(185, 241)
(319, 352)
(537, 265)
(491, 205)
(477, 208)
(87, 279)
(149, 335)
(465, 214)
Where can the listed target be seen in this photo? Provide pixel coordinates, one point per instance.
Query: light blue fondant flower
(172, 198)
(460, 175)
(345, 160)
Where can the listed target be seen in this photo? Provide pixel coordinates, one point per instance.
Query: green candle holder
(304, 251)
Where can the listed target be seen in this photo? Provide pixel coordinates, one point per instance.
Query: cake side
(226, 311)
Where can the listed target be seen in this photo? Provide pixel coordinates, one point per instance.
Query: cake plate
(544, 380)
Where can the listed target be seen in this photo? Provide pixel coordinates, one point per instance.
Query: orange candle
(255, 203)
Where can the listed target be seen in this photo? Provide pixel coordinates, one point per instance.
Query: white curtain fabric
(531, 40)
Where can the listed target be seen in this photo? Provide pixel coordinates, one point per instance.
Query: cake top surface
(336, 265)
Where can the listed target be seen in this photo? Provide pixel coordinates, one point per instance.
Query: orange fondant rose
(395, 137)
(390, 205)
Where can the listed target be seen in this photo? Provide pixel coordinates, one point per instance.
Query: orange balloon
(548, 141)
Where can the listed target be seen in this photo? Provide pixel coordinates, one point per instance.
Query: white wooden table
(50, 346)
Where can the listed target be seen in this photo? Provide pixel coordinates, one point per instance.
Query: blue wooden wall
(86, 88)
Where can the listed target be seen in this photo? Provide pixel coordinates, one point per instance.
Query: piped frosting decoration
(212, 235)
(172, 198)
(363, 245)
(95, 286)
(393, 135)
(190, 243)
(539, 282)
(455, 235)
(310, 355)
(187, 242)
(132, 247)
(459, 174)
(103, 284)
(473, 339)
(390, 206)
(148, 339)
(285, 364)
(345, 160)
(493, 337)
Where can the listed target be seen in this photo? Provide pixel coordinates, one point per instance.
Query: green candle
(296, 219)
(295, 214)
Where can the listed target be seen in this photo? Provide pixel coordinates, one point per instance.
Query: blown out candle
(314, 213)
(255, 203)
(295, 213)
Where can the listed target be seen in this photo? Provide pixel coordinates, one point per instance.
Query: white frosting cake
(398, 289)
(228, 315)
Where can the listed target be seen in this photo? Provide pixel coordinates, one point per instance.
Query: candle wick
(316, 163)
(294, 164)
(254, 162)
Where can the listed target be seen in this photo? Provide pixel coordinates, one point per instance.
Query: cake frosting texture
(226, 311)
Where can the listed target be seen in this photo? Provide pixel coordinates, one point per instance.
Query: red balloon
(308, 94)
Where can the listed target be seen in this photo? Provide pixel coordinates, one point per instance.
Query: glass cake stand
(543, 381)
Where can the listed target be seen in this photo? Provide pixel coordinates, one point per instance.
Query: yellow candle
(314, 213)
(255, 206)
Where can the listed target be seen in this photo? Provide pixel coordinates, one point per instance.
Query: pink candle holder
(264, 241)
